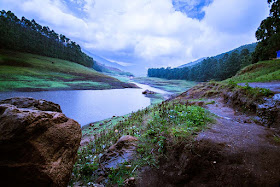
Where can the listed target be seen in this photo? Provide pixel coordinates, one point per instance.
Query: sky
(141, 34)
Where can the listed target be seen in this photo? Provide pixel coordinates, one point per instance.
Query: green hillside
(218, 68)
(264, 71)
(29, 72)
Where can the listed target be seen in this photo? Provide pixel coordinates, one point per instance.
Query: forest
(215, 68)
(28, 36)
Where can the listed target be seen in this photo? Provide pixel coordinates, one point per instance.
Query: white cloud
(148, 32)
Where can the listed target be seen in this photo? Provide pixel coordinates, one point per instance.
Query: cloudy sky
(149, 33)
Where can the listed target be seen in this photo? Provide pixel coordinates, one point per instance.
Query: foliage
(268, 34)
(263, 71)
(220, 67)
(29, 36)
(157, 128)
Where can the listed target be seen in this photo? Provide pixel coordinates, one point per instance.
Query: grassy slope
(264, 71)
(27, 72)
(157, 127)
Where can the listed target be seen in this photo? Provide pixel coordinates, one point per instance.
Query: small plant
(247, 86)
(88, 168)
(118, 175)
(210, 103)
(265, 92)
(232, 84)
(276, 138)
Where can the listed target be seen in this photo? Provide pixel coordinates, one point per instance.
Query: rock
(147, 92)
(38, 148)
(269, 113)
(130, 182)
(120, 152)
(100, 179)
(98, 185)
(22, 102)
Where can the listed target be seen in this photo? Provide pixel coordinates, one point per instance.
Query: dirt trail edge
(260, 153)
(234, 151)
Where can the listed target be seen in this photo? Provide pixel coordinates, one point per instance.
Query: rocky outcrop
(31, 103)
(38, 148)
(147, 92)
(120, 152)
(268, 113)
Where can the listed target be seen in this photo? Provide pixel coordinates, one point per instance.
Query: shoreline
(126, 85)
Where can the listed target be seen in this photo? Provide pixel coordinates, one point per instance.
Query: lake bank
(87, 106)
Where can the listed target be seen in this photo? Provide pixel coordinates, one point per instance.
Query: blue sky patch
(192, 8)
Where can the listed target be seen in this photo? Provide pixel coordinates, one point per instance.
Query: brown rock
(23, 102)
(38, 148)
(146, 92)
(130, 182)
(100, 179)
(120, 152)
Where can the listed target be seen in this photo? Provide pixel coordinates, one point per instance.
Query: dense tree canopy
(28, 36)
(211, 68)
(268, 34)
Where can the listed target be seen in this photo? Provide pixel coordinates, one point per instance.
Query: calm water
(86, 106)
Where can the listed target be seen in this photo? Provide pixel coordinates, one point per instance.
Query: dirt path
(273, 86)
(254, 144)
(232, 152)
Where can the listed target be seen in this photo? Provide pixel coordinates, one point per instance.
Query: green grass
(27, 72)
(157, 128)
(173, 86)
(264, 71)
(276, 138)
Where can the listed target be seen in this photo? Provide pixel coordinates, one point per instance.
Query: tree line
(209, 69)
(28, 36)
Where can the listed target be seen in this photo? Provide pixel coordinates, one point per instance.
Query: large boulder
(29, 102)
(38, 148)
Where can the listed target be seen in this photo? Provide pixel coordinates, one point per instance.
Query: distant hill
(219, 67)
(29, 72)
(250, 47)
(106, 66)
(111, 70)
(192, 63)
(103, 61)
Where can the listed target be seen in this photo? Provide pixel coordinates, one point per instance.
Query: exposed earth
(234, 151)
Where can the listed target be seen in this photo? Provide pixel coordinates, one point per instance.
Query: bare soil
(232, 152)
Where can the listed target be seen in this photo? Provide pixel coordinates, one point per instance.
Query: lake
(86, 106)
